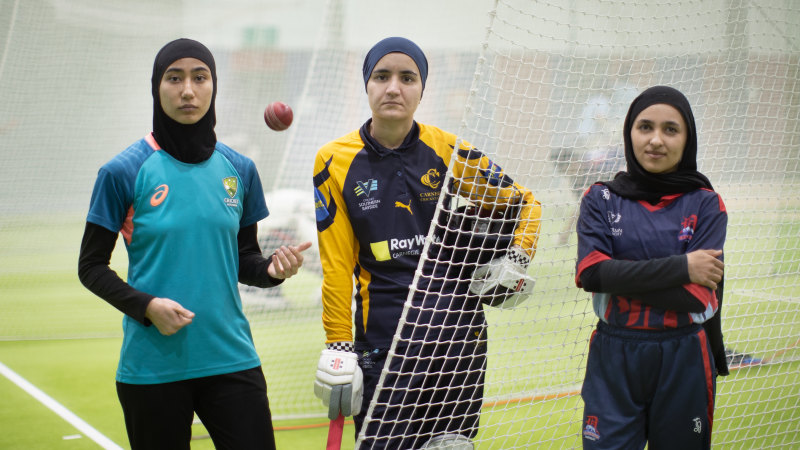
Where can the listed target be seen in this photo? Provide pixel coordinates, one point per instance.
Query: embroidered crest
(431, 178)
(231, 185)
(590, 431)
(688, 224)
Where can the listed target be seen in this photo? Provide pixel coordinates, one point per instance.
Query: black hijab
(637, 183)
(192, 143)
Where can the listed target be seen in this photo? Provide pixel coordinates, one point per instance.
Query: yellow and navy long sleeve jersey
(374, 207)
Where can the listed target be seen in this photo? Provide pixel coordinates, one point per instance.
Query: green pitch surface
(65, 342)
(79, 375)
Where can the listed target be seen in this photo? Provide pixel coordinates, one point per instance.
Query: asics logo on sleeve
(160, 195)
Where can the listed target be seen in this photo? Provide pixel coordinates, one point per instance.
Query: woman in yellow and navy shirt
(377, 189)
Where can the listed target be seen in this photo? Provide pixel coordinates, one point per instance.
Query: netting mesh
(552, 86)
(539, 86)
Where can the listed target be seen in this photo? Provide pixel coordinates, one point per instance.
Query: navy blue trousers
(655, 387)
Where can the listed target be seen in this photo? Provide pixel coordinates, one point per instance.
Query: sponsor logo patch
(688, 224)
(590, 430)
(380, 250)
(231, 186)
(432, 178)
(407, 207)
(320, 206)
(366, 187)
(493, 173)
(397, 247)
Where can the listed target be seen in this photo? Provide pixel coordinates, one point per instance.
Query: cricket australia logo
(231, 185)
(432, 179)
(366, 187)
(688, 224)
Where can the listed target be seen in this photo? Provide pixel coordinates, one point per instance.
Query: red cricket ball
(278, 116)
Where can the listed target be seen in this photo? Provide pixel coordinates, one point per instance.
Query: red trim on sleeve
(708, 376)
(127, 226)
(721, 203)
(590, 260)
(703, 294)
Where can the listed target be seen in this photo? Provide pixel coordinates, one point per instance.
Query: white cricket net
(540, 86)
(552, 86)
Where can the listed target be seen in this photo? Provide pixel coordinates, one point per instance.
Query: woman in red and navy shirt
(650, 252)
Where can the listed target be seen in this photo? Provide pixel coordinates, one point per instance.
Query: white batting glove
(339, 383)
(504, 282)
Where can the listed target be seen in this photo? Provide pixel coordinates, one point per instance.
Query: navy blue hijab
(192, 143)
(637, 183)
(395, 45)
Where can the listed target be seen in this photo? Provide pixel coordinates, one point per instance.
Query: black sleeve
(713, 327)
(95, 273)
(657, 282)
(252, 264)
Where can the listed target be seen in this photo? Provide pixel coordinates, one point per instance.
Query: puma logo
(403, 205)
